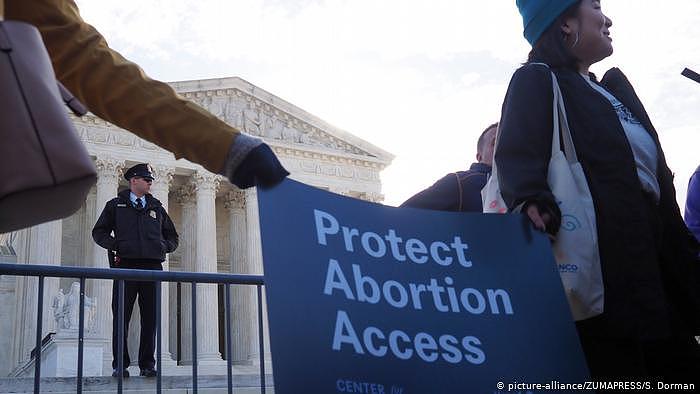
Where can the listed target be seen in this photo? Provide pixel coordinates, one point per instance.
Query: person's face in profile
(486, 154)
(140, 185)
(590, 32)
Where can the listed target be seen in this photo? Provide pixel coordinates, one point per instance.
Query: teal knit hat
(538, 15)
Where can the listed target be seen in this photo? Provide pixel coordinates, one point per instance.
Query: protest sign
(365, 298)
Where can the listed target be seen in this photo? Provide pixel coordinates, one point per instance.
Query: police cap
(143, 170)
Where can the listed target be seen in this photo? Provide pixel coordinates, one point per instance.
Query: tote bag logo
(568, 268)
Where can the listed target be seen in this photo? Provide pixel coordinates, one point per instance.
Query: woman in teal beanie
(649, 259)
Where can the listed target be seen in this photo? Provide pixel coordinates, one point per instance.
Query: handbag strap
(73, 103)
(75, 106)
(5, 44)
(560, 125)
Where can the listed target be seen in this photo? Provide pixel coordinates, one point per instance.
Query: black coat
(457, 192)
(648, 256)
(144, 235)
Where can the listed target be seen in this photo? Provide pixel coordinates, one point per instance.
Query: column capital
(163, 176)
(109, 168)
(206, 181)
(234, 200)
(185, 194)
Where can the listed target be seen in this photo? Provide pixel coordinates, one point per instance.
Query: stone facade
(217, 223)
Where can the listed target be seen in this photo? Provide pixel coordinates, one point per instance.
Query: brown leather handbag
(45, 171)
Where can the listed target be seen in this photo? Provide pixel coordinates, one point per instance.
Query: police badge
(153, 214)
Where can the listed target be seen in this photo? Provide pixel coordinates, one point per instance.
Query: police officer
(143, 234)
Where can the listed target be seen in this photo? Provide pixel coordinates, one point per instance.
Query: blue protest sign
(364, 298)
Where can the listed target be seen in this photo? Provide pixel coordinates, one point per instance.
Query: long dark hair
(551, 48)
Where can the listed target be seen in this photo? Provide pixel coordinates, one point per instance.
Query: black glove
(260, 167)
(112, 258)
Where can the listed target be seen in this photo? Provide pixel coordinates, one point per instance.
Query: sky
(418, 78)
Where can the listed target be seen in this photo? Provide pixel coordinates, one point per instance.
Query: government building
(218, 227)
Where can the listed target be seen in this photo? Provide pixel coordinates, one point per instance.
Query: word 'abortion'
(431, 294)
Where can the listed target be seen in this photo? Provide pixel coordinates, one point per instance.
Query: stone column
(206, 185)
(241, 296)
(90, 219)
(40, 244)
(109, 171)
(25, 302)
(160, 189)
(185, 195)
(8, 297)
(254, 264)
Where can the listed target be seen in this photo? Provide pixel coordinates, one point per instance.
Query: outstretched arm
(119, 92)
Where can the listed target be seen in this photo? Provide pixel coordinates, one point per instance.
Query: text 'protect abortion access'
(430, 294)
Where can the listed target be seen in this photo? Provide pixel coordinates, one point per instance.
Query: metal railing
(120, 275)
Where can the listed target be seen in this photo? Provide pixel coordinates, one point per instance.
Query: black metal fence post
(261, 340)
(159, 333)
(229, 352)
(194, 336)
(81, 335)
(120, 340)
(39, 318)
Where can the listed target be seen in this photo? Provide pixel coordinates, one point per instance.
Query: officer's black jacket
(139, 234)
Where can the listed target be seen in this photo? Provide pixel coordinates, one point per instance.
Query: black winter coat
(457, 192)
(139, 234)
(648, 256)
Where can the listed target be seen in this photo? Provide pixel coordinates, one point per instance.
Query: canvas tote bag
(576, 245)
(45, 171)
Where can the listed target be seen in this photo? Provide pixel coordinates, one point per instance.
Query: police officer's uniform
(143, 234)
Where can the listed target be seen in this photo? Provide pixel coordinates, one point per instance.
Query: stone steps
(210, 384)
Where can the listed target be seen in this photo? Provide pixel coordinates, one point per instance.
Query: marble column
(40, 244)
(241, 296)
(109, 171)
(160, 189)
(90, 219)
(185, 196)
(254, 264)
(8, 298)
(206, 185)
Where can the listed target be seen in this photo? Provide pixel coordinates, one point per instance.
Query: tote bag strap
(560, 122)
(560, 125)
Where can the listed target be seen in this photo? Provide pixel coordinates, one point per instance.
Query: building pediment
(252, 110)
(260, 113)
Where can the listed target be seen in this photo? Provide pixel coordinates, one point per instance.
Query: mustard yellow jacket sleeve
(118, 91)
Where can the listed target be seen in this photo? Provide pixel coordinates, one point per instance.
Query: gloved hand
(260, 167)
(112, 258)
(543, 218)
